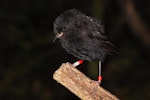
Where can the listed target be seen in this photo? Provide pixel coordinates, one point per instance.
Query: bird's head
(65, 24)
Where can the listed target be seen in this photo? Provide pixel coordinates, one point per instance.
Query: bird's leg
(99, 73)
(98, 82)
(77, 63)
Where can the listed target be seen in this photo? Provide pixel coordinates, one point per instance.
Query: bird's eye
(64, 28)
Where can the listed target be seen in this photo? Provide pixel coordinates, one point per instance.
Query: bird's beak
(58, 36)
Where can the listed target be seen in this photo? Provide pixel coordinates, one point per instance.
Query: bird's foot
(97, 84)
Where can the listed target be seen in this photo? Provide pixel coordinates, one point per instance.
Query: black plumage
(82, 36)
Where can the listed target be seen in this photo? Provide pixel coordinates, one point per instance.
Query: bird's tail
(110, 48)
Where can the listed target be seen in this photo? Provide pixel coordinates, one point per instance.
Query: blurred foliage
(28, 57)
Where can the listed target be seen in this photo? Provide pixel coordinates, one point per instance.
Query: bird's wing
(97, 32)
(96, 29)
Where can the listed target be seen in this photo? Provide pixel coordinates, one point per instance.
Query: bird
(83, 36)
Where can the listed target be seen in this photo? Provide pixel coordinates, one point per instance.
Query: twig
(135, 21)
(79, 84)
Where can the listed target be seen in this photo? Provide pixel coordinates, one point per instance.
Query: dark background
(28, 57)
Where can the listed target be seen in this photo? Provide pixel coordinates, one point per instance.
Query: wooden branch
(83, 87)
